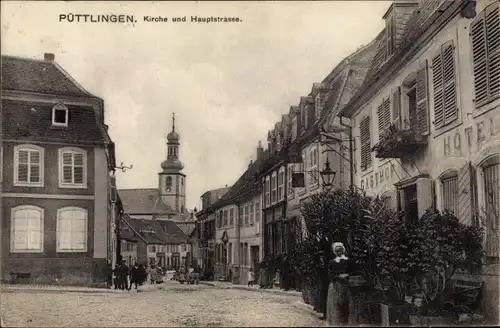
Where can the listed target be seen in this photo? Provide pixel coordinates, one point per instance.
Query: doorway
(410, 203)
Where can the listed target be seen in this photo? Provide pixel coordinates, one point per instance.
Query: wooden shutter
(465, 197)
(366, 156)
(437, 83)
(492, 195)
(493, 46)
(478, 41)
(384, 117)
(396, 107)
(380, 117)
(449, 82)
(422, 102)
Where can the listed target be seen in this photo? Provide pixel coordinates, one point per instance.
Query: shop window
(449, 186)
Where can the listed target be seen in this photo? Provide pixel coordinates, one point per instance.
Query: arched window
(72, 229)
(168, 183)
(26, 229)
(490, 171)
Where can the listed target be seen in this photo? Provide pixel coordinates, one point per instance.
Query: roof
(143, 201)
(410, 30)
(33, 121)
(40, 76)
(160, 232)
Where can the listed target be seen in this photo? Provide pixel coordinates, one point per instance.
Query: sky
(228, 83)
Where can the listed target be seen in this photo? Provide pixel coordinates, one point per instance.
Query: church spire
(173, 121)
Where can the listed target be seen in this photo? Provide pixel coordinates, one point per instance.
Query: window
(281, 184)
(245, 214)
(390, 30)
(168, 183)
(449, 185)
(231, 217)
(491, 180)
(72, 168)
(384, 117)
(290, 190)
(183, 248)
(267, 193)
(366, 151)
(26, 229)
(28, 168)
(72, 229)
(273, 188)
(257, 217)
(230, 255)
(294, 127)
(485, 32)
(318, 105)
(443, 80)
(226, 218)
(313, 167)
(60, 115)
(182, 181)
(250, 213)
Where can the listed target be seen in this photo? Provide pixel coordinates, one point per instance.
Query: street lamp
(328, 176)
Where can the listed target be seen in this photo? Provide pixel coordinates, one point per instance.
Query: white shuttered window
(72, 167)
(26, 229)
(485, 39)
(28, 168)
(72, 229)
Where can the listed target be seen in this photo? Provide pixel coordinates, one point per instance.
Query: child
(250, 277)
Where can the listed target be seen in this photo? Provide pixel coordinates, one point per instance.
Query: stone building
(56, 158)
(158, 216)
(435, 84)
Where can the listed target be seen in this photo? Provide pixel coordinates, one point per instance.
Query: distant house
(55, 158)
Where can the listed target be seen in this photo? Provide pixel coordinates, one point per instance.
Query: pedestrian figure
(143, 275)
(262, 275)
(134, 276)
(152, 274)
(338, 300)
(250, 277)
(124, 276)
(116, 279)
(109, 275)
(196, 273)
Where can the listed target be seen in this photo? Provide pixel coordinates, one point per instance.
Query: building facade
(56, 158)
(427, 119)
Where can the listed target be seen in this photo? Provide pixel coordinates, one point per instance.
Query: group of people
(125, 277)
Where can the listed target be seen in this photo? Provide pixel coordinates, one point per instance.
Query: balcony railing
(397, 142)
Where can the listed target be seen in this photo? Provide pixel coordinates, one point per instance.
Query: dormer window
(390, 33)
(59, 115)
(318, 105)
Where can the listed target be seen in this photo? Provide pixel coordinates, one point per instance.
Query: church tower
(172, 182)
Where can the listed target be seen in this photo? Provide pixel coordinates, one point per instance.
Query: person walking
(262, 275)
(143, 275)
(134, 276)
(197, 271)
(152, 274)
(250, 277)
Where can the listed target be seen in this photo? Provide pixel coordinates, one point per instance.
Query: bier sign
(298, 180)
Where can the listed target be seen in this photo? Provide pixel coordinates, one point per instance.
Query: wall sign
(379, 176)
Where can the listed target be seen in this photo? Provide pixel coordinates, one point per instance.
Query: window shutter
(365, 143)
(396, 107)
(384, 117)
(465, 195)
(437, 83)
(449, 83)
(478, 36)
(493, 46)
(422, 103)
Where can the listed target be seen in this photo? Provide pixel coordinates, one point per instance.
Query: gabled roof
(170, 232)
(422, 19)
(32, 121)
(160, 232)
(40, 76)
(143, 201)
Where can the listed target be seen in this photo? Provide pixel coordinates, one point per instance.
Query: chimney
(49, 56)
(251, 162)
(260, 150)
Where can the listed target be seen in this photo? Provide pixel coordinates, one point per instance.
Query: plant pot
(428, 321)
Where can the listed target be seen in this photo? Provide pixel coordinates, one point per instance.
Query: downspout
(351, 154)
(238, 241)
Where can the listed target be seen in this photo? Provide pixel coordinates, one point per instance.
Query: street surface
(173, 306)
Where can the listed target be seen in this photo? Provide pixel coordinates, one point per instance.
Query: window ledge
(73, 186)
(26, 250)
(442, 130)
(27, 184)
(486, 107)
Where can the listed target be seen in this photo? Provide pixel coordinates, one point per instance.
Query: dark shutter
(437, 82)
(396, 107)
(492, 196)
(384, 117)
(422, 101)
(493, 46)
(365, 136)
(449, 82)
(465, 195)
(478, 40)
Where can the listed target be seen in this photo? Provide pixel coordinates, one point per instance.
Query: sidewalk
(55, 288)
(229, 285)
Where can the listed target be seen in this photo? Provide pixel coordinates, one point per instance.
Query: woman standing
(338, 298)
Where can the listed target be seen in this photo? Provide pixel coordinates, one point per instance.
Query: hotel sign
(378, 177)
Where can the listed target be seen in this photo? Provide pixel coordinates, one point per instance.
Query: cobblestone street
(173, 305)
